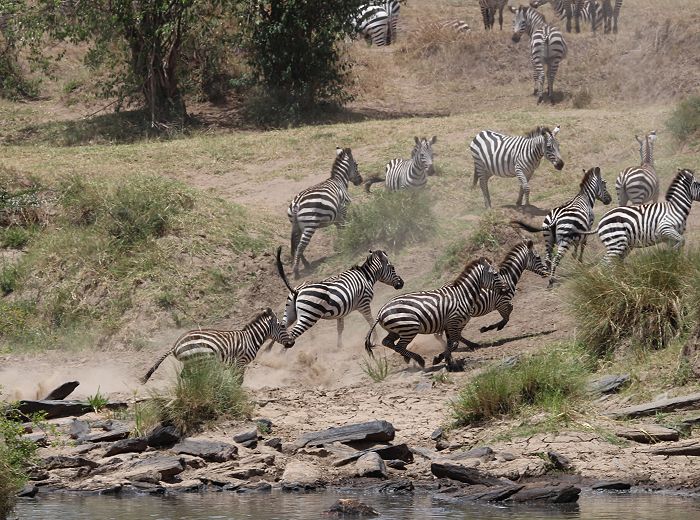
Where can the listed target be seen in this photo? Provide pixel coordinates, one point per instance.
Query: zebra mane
(259, 318)
(587, 176)
(514, 252)
(677, 182)
(540, 130)
(467, 268)
(339, 158)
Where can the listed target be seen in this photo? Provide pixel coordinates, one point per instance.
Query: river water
(284, 506)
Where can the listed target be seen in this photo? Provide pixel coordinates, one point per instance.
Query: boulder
(62, 462)
(300, 476)
(167, 467)
(55, 408)
(259, 486)
(163, 435)
(62, 391)
(691, 401)
(444, 469)
(491, 494)
(211, 451)
(687, 448)
(391, 452)
(648, 433)
(351, 507)
(28, 491)
(484, 453)
(246, 436)
(608, 384)
(396, 464)
(559, 461)
(40, 438)
(376, 431)
(611, 485)
(78, 428)
(274, 443)
(552, 494)
(247, 472)
(437, 433)
(115, 435)
(131, 445)
(370, 465)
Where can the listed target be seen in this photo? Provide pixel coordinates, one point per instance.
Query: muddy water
(281, 506)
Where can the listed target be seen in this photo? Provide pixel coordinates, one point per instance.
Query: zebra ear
(416, 139)
(338, 151)
(556, 130)
(652, 136)
(370, 251)
(638, 139)
(512, 9)
(433, 140)
(530, 244)
(597, 170)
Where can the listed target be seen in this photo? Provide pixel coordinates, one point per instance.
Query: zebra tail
(528, 227)
(591, 232)
(280, 270)
(148, 375)
(368, 341)
(372, 180)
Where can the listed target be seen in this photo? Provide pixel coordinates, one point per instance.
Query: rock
(168, 467)
(425, 453)
(186, 486)
(463, 474)
(163, 436)
(691, 401)
(210, 451)
(396, 464)
(62, 461)
(492, 494)
(259, 486)
(351, 507)
(117, 434)
(551, 494)
(275, 443)
(40, 438)
(317, 452)
(370, 465)
(264, 425)
(484, 453)
(245, 473)
(151, 488)
(506, 456)
(300, 476)
(392, 452)
(688, 448)
(28, 491)
(246, 436)
(613, 485)
(397, 487)
(441, 445)
(37, 474)
(691, 422)
(559, 461)
(437, 434)
(103, 424)
(608, 384)
(377, 431)
(78, 428)
(648, 433)
(193, 462)
(62, 391)
(131, 445)
(55, 408)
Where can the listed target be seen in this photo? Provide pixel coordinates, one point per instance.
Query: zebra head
(423, 153)
(490, 278)
(534, 262)
(551, 147)
(522, 21)
(387, 272)
(345, 166)
(646, 147)
(277, 330)
(601, 187)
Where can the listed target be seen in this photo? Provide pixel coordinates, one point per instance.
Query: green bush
(15, 237)
(684, 122)
(543, 380)
(642, 303)
(389, 219)
(16, 454)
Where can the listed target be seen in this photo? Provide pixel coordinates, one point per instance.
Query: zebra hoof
(456, 365)
(437, 360)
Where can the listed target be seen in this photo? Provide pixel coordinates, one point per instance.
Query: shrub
(15, 237)
(8, 278)
(643, 302)
(543, 380)
(389, 219)
(684, 122)
(15, 455)
(98, 401)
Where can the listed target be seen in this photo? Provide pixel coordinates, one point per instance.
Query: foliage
(8, 278)
(376, 368)
(684, 122)
(14, 237)
(582, 98)
(14, 83)
(390, 219)
(98, 401)
(643, 302)
(543, 380)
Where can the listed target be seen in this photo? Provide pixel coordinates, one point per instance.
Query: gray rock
(688, 448)
(186, 486)
(210, 451)
(551, 494)
(131, 445)
(484, 453)
(370, 465)
(437, 433)
(78, 428)
(274, 443)
(464, 474)
(259, 486)
(493, 494)
(167, 467)
(62, 462)
(246, 436)
(300, 476)
(163, 436)
(648, 433)
(54, 408)
(40, 438)
(441, 445)
(351, 507)
(506, 456)
(103, 424)
(559, 461)
(608, 384)
(377, 431)
(246, 473)
(391, 452)
(691, 401)
(611, 485)
(28, 491)
(117, 434)
(397, 487)
(396, 464)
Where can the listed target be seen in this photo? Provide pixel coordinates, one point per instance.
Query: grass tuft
(98, 401)
(376, 368)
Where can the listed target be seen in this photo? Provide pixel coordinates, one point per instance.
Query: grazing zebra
(521, 257)
(488, 12)
(237, 347)
(336, 297)
(639, 184)
(566, 224)
(610, 14)
(459, 26)
(547, 47)
(431, 312)
(626, 227)
(378, 22)
(321, 205)
(408, 173)
(589, 10)
(513, 156)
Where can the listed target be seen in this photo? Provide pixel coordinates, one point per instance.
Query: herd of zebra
(480, 288)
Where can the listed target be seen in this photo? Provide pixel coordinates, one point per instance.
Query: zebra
(322, 205)
(640, 184)
(610, 15)
(513, 156)
(400, 174)
(430, 312)
(590, 11)
(626, 227)
(459, 26)
(488, 12)
(230, 347)
(338, 296)
(521, 257)
(378, 22)
(547, 47)
(565, 224)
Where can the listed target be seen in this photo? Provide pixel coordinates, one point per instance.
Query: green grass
(16, 454)
(98, 400)
(376, 368)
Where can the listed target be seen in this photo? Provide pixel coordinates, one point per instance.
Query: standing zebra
(378, 22)
(626, 227)
(521, 257)
(408, 173)
(513, 156)
(431, 312)
(640, 184)
(566, 224)
(321, 205)
(336, 297)
(590, 11)
(610, 14)
(488, 12)
(237, 347)
(547, 47)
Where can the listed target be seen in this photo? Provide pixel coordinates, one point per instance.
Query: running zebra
(610, 15)
(590, 11)
(431, 312)
(640, 184)
(321, 205)
(566, 224)
(626, 227)
(336, 297)
(488, 12)
(513, 156)
(408, 173)
(547, 47)
(237, 347)
(378, 22)
(520, 258)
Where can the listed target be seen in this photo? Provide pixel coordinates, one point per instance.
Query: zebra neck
(370, 272)
(257, 332)
(340, 173)
(648, 156)
(511, 270)
(417, 170)
(588, 194)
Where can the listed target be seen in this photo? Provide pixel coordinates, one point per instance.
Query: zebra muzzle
(516, 38)
(398, 284)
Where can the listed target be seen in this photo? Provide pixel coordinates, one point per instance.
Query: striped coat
(488, 12)
(590, 11)
(400, 174)
(378, 22)
(640, 184)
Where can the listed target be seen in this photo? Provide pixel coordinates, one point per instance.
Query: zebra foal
(336, 297)
(401, 174)
(230, 347)
(640, 184)
(322, 205)
(503, 155)
(447, 309)
(567, 223)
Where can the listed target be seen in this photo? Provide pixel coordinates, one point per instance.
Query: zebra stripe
(589, 10)
(336, 297)
(429, 312)
(547, 48)
(237, 347)
(400, 174)
(566, 224)
(640, 184)
(322, 205)
(378, 23)
(626, 227)
(513, 156)
(459, 26)
(611, 14)
(488, 12)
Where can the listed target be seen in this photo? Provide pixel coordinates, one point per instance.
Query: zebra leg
(500, 16)
(562, 246)
(299, 254)
(551, 74)
(539, 82)
(484, 183)
(304, 323)
(505, 315)
(367, 315)
(671, 235)
(524, 193)
(400, 348)
(581, 246)
(341, 325)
